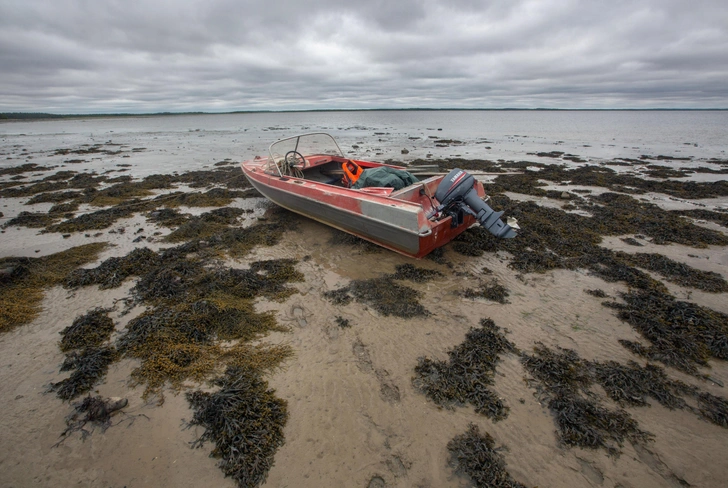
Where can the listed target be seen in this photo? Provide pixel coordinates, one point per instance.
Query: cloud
(74, 56)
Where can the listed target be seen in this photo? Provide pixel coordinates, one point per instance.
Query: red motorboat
(310, 175)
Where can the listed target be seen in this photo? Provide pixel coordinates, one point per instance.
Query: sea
(177, 143)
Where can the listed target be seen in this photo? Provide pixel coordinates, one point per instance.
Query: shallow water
(186, 142)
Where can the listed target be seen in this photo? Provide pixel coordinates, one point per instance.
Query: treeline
(21, 116)
(40, 115)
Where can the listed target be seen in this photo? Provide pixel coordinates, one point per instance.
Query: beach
(373, 396)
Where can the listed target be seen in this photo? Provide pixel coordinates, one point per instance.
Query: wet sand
(355, 418)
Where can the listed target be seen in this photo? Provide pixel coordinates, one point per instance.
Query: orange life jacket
(352, 172)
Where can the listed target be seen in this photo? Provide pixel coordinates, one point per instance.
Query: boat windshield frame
(310, 144)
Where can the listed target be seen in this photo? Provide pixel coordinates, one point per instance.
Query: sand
(355, 418)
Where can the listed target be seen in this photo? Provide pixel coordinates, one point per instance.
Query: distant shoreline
(45, 116)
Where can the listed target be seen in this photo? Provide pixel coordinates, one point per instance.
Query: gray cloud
(74, 56)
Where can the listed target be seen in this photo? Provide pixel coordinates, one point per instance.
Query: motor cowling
(457, 196)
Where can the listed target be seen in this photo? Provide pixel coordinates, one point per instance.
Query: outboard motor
(457, 196)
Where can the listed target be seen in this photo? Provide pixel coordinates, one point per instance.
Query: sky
(129, 56)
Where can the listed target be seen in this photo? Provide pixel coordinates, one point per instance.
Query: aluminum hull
(393, 223)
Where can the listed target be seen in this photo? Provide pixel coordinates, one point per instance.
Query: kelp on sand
(465, 377)
(564, 380)
(23, 280)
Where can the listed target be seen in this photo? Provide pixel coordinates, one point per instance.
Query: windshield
(307, 145)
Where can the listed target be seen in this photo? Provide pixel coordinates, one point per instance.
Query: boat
(309, 174)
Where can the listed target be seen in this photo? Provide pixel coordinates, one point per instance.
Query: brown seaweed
(681, 334)
(714, 408)
(33, 220)
(492, 291)
(475, 455)
(205, 225)
(633, 384)
(23, 281)
(245, 420)
(89, 330)
(384, 295)
(677, 272)
(94, 410)
(416, 274)
(581, 420)
(89, 366)
(465, 377)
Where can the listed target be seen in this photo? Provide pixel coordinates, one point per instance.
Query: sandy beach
(357, 412)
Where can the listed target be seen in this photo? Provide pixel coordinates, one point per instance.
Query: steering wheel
(295, 159)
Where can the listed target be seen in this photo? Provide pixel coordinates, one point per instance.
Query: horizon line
(38, 115)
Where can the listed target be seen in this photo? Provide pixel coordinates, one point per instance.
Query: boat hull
(394, 224)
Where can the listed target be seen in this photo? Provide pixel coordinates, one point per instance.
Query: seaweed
(95, 410)
(54, 197)
(167, 217)
(714, 408)
(77, 181)
(677, 272)
(342, 322)
(563, 370)
(245, 420)
(89, 366)
(113, 271)
(475, 455)
(201, 314)
(720, 218)
(23, 168)
(493, 291)
(237, 242)
(615, 214)
(338, 297)
(32, 220)
(180, 280)
(589, 175)
(581, 420)
(195, 308)
(465, 377)
(217, 197)
(681, 334)
(631, 241)
(445, 165)
(664, 172)
(596, 293)
(115, 194)
(23, 281)
(437, 255)
(388, 298)
(632, 384)
(102, 219)
(608, 266)
(553, 239)
(205, 225)
(413, 273)
(229, 177)
(584, 423)
(89, 330)
(64, 208)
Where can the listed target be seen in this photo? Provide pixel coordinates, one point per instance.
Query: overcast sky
(103, 56)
